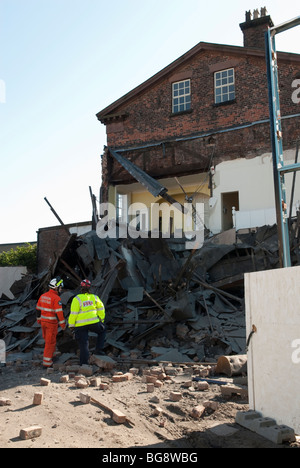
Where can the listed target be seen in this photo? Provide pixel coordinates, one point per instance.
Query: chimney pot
(248, 16)
(255, 14)
(254, 29)
(263, 11)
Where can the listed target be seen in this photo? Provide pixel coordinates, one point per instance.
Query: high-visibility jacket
(50, 310)
(86, 309)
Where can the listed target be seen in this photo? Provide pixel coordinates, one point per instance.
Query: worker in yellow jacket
(87, 314)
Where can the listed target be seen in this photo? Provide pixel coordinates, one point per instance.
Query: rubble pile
(163, 302)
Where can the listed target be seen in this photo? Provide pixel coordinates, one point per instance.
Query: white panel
(273, 306)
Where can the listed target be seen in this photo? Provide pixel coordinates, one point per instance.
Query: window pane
(181, 96)
(224, 86)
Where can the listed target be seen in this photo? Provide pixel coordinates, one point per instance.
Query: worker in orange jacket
(49, 316)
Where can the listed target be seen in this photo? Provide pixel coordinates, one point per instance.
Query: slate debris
(162, 301)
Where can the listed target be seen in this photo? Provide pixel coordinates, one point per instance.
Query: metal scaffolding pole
(279, 169)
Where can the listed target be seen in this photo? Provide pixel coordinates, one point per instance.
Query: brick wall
(149, 119)
(51, 242)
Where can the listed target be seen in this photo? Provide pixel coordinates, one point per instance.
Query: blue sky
(61, 62)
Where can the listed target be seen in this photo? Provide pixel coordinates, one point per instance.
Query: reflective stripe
(88, 320)
(47, 362)
(79, 300)
(46, 317)
(50, 310)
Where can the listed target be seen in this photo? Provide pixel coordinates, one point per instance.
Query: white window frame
(181, 96)
(224, 85)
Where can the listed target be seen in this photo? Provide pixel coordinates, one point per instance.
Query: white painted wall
(253, 179)
(272, 301)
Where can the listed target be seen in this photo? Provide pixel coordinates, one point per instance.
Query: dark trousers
(82, 337)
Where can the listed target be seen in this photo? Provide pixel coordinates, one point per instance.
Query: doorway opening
(229, 200)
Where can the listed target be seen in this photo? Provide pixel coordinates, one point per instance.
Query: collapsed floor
(163, 302)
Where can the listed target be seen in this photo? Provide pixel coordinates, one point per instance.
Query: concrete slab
(265, 427)
(223, 430)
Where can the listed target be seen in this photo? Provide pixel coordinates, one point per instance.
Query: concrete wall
(273, 306)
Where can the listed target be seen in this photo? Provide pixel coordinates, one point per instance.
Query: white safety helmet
(56, 283)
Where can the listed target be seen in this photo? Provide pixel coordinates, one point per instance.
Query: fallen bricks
(181, 377)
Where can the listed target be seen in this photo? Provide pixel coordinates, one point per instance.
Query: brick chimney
(255, 26)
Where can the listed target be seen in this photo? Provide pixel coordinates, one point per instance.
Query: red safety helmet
(85, 283)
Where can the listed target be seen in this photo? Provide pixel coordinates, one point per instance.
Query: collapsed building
(163, 302)
(196, 132)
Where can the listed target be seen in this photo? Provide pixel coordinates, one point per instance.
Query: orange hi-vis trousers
(49, 331)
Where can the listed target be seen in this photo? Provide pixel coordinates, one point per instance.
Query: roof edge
(104, 113)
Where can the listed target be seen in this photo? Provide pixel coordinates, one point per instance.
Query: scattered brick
(38, 398)
(150, 387)
(119, 378)
(64, 379)
(229, 390)
(175, 396)
(30, 432)
(103, 386)
(81, 383)
(158, 411)
(45, 382)
(118, 416)
(85, 398)
(95, 382)
(158, 383)
(213, 405)
(5, 401)
(198, 411)
(128, 375)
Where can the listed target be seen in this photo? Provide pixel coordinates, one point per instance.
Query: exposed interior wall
(195, 186)
(272, 305)
(253, 180)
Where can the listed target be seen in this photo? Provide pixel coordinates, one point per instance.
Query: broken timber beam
(217, 290)
(110, 410)
(56, 215)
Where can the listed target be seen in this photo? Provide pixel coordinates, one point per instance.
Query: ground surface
(68, 423)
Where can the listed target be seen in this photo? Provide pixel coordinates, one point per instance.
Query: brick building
(200, 128)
